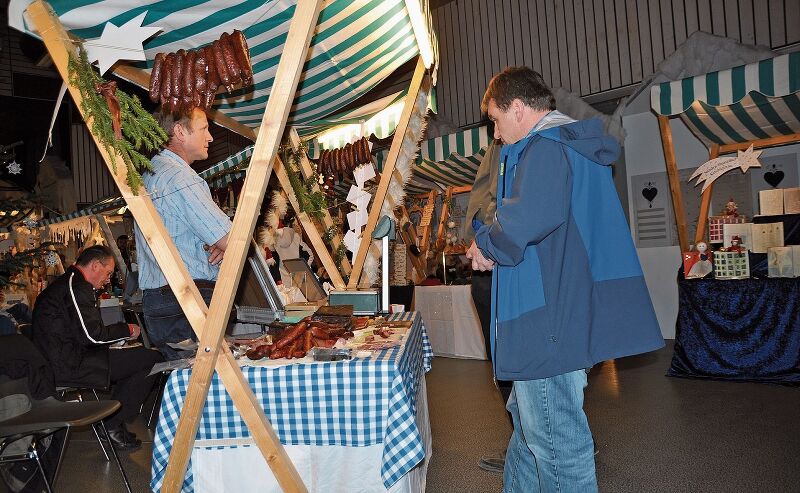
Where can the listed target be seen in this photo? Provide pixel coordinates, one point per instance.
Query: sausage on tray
(291, 335)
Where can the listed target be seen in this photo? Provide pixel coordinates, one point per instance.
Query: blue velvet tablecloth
(746, 330)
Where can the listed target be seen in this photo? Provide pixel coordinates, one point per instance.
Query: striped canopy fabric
(357, 44)
(449, 160)
(741, 104)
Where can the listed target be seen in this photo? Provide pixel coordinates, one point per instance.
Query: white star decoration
(14, 168)
(52, 259)
(713, 169)
(120, 43)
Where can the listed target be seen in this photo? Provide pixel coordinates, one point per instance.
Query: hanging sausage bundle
(189, 79)
(341, 162)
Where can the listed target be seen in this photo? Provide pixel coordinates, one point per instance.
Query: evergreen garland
(311, 201)
(139, 128)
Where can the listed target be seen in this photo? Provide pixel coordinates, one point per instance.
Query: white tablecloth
(324, 469)
(451, 321)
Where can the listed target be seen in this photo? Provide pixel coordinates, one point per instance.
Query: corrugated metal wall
(586, 46)
(90, 177)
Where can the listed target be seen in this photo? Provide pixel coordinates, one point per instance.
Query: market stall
(742, 110)
(307, 62)
(359, 422)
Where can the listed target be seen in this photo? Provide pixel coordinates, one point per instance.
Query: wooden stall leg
(391, 161)
(674, 181)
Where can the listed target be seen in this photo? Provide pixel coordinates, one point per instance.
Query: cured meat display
(341, 162)
(191, 78)
(294, 341)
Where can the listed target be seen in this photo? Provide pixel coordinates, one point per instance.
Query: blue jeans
(164, 319)
(551, 449)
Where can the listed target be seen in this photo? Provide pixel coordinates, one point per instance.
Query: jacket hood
(587, 138)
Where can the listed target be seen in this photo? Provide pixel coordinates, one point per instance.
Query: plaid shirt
(190, 215)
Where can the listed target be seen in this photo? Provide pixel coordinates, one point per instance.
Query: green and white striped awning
(217, 176)
(229, 170)
(741, 104)
(449, 160)
(102, 205)
(357, 44)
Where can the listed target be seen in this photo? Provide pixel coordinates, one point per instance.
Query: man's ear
(518, 108)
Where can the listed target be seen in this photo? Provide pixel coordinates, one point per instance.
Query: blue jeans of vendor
(164, 319)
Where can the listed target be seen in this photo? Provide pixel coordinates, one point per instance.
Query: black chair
(38, 419)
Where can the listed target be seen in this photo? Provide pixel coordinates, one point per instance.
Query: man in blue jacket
(567, 287)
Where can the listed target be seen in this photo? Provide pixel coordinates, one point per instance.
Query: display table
(451, 320)
(351, 423)
(738, 330)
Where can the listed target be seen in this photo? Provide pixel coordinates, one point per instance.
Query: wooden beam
(426, 230)
(58, 43)
(391, 161)
(461, 189)
(112, 245)
(294, 53)
(674, 181)
(702, 219)
(309, 227)
(327, 220)
(761, 143)
(142, 78)
(443, 219)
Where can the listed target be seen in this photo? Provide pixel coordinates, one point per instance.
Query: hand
(217, 250)
(135, 331)
(479, 262)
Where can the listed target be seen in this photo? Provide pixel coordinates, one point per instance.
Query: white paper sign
(351, 241)
(357, 219)
(363, 173)
(355, 193)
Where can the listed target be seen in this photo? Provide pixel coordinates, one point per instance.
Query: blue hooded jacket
(567, 287)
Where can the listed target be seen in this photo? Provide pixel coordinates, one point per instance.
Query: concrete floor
(654, 433)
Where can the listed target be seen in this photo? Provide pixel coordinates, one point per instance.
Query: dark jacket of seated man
(69, 332)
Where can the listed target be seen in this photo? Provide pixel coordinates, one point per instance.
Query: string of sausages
(338, 162)
(191, 78)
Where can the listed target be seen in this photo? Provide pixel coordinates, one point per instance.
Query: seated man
(69, 332)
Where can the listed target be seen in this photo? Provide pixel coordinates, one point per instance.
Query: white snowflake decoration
(14, 168)
(52, 259)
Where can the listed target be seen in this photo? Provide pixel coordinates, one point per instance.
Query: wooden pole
(112, 245)
(702, 220)
(426, 227)
(391, 161)
(761, 143)
(309, 227)
(439, 243)
(294, 53)
(327, 220)
(674, 181)
(60, 47)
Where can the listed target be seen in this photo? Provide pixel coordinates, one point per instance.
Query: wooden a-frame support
(209, 323)
(387, 174)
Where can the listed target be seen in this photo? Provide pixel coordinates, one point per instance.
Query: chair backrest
(15, 398)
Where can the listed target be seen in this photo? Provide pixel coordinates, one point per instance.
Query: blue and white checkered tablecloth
(354, 403)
